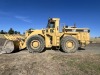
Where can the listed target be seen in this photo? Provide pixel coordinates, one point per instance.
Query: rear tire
(35, 44)
(69, 44)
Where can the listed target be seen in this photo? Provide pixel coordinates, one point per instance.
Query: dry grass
(49, 64)
(95, 40)
(1, 36)
(80, 65)
(13, 36)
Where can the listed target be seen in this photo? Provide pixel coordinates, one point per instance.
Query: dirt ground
(52, 62)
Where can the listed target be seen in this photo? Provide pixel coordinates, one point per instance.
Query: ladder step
(57, 41)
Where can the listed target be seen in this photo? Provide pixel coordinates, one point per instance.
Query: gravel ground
(52, 62)
(90, 49)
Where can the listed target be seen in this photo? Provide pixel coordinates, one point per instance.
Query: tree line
(10, 31)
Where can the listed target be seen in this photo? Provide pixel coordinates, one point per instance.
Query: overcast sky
(24, 14)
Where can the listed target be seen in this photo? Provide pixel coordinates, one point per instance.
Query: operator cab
(53, 25)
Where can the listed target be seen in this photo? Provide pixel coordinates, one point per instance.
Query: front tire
(35, 44)
(69, 44)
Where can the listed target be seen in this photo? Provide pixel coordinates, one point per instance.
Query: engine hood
(34, 32)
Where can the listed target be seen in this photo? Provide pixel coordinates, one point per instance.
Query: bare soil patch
(51, 62)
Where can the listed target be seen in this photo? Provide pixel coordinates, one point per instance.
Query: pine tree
(15, 32)
(2, 32)
(11, 31)
(18, 32)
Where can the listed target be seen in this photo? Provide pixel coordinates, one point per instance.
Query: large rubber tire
(41, 46)
(74, 41)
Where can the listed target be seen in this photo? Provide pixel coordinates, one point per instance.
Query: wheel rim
(35, 44)
(70, 45)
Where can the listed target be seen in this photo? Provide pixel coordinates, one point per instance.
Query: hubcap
(70, 44)
(35, 44)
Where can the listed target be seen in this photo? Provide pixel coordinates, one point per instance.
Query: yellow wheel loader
(68, 40)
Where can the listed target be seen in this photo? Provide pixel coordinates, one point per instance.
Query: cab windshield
(51, 25)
